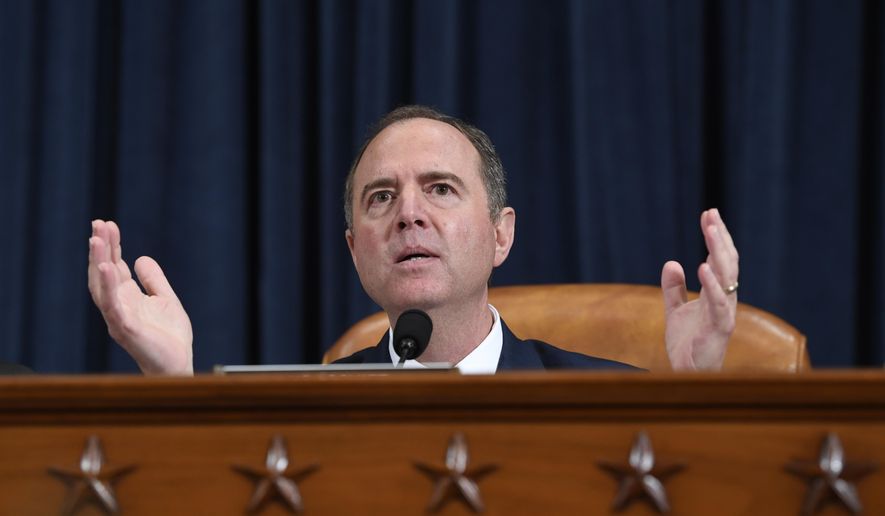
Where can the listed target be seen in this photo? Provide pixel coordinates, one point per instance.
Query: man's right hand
(152, 326)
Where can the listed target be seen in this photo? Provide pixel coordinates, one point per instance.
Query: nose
(411, 210)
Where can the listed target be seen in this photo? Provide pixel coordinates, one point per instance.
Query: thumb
(151, 277)
(673, 286)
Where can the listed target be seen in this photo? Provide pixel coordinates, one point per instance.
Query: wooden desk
(545, 433)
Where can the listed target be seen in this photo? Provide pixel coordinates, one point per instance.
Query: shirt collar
(482, 360)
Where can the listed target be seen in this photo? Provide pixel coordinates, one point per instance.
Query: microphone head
(412, 334)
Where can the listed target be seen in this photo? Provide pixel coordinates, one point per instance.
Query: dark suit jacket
(7, 368)
(515, 355)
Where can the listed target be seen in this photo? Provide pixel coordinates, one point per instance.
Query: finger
(111, 307)
(734, 261)
(91, 256)
(721, 259)
(94, 242)
(721, 306)
(114, 241)
(96, 224)
(93, 275)
(717, 218)
(111, 252)
(99, 252)
(108, 283)
(100, 230)
(705, 219)
(96, 256)
(673, 286)
(152, 278)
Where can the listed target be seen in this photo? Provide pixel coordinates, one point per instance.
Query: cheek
(365, 247)
(461, 235)
(476, 241)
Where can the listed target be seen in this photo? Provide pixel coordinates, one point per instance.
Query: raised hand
(697, 331)
(151, 326)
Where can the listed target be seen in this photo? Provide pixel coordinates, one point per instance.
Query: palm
(157, 322)
(692, 332)
(697, 331)
(151, 325)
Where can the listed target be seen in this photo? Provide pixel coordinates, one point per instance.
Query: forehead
(418, 145)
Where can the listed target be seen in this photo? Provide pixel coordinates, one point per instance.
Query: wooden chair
(615, 321)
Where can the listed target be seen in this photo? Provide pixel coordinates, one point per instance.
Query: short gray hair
(491, 169)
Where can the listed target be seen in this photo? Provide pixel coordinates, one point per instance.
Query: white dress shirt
(482, 360)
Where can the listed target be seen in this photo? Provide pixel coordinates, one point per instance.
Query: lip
(413, 266)
(403, 254)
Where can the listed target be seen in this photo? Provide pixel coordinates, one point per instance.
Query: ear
(348, 235)
(504, 230)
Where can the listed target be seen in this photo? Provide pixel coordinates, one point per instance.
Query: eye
(380, 197)
(441, 189)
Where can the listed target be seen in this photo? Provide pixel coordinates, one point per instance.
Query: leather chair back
(614, 321)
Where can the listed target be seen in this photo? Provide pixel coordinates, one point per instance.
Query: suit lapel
(517, 354)
(380, 354)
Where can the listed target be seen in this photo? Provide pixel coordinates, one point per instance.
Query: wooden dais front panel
(535, 438)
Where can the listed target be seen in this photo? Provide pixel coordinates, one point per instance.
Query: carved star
(276, 478)
(831, 476)
(641, 477)
(92, 481)
(455, 477)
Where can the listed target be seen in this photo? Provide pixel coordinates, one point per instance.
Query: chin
(418, 296)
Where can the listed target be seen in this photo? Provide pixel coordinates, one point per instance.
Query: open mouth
(414, 254)
(413, 257)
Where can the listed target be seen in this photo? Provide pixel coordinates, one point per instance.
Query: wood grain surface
(545, 431)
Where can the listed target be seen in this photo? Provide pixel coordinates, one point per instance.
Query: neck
(457, 330)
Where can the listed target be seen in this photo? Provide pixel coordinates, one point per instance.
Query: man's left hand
(697, 331)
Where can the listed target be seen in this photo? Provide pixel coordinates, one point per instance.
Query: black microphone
(411, 335)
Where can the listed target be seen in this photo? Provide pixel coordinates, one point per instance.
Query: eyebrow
(435, 175)
(424, 177)
(384, 182)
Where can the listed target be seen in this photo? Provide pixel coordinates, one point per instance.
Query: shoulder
(535, 354)
(9, 368)
(557, 358)
(377, 354)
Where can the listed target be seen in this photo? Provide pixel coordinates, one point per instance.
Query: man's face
(422, 236)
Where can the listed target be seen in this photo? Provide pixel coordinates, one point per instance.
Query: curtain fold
(218, 135)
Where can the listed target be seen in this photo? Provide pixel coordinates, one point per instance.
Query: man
(427, 221)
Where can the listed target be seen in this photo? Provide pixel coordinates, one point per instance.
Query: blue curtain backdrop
(218, 134)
